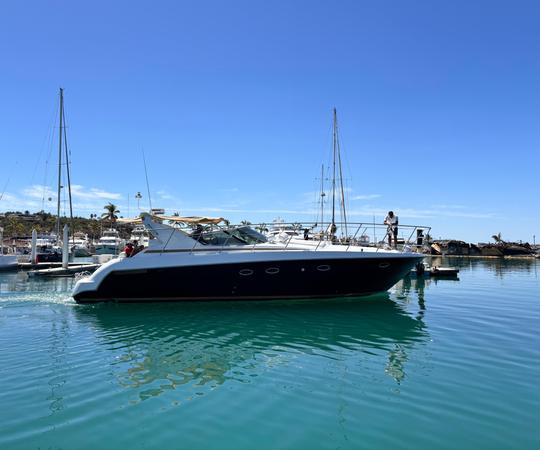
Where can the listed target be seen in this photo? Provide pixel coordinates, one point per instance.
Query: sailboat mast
(343, 212)
(322, 196)
(60, 135)
(68, 170)
(147, 184)
(334, 171)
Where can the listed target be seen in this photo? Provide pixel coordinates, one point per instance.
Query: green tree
(13, 227)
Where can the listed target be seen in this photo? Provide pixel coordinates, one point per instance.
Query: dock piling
(34, 247)
(65, 247)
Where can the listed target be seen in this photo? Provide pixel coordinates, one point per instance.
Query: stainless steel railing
(366, 234)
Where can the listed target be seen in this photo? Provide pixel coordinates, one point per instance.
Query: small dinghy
(435, 271)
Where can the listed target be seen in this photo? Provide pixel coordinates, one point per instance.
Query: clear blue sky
(438, 105)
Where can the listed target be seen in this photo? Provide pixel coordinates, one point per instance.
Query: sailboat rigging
(63, 147)
(337, 184)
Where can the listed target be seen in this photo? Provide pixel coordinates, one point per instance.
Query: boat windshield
(231, 236)
(250, 235)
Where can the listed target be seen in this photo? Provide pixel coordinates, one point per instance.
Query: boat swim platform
(59, 271)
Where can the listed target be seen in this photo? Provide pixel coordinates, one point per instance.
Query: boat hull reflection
(168, 345)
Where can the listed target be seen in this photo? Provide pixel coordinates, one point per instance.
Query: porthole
(272, 270)
(384, 265)
(323, 268)
(246, 272)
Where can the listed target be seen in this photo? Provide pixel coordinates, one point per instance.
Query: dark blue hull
(253, 281)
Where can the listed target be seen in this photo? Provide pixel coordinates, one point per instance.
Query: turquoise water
(432, 364)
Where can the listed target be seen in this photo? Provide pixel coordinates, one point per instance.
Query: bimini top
(188, 220)
(193, 219)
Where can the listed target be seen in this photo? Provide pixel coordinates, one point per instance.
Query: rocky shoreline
(498, 250)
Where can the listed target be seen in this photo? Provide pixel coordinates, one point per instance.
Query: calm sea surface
(430, 365)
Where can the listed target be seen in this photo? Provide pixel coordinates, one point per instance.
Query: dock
(58, 271)
(39, 265)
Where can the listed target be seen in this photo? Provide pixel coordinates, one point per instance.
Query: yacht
(47, 248)
(80, 245)
(240, 264)
(110, 243)
(139, 235)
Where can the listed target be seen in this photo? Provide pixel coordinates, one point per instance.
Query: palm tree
(110, 215)
(261, 228)
(497, 238)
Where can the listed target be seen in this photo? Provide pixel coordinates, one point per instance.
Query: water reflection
(412, 286)
(160, 347)
(58, 350)
(13, 282)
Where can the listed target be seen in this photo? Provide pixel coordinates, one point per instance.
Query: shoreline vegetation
(19, 225)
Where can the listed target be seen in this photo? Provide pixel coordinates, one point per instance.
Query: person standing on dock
(392, 221)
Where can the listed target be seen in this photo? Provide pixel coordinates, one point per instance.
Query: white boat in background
(139, 236)
(80, 245)
(8, 262)
(47, 248)
(110, 243)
